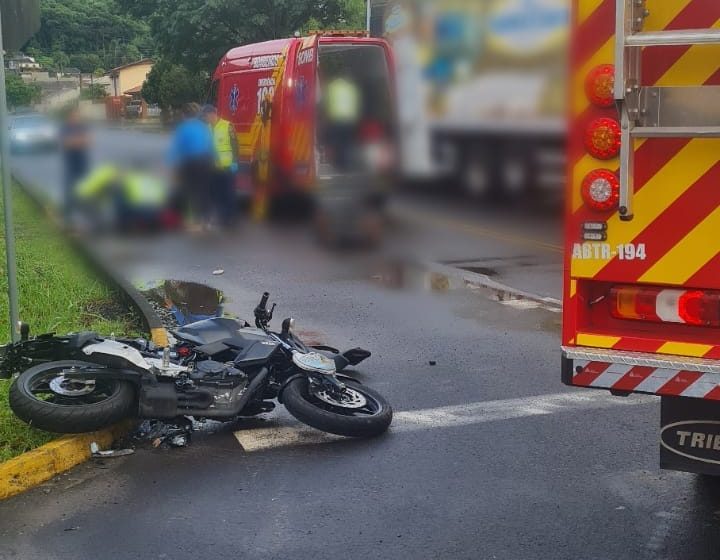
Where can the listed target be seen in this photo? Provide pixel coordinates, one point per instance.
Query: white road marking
(287, 432)
(521, 304)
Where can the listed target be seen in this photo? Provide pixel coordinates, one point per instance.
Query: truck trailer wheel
(479, 173)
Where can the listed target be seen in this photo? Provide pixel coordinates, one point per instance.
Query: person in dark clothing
(75, 141)
(192, 157)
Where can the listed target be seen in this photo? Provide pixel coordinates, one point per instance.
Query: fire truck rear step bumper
(635, 372)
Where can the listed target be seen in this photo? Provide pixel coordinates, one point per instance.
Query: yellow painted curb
(39, 465)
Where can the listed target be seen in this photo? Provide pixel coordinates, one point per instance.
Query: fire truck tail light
(601, 190)
(599, 85)
(602, 138)
(688, 307)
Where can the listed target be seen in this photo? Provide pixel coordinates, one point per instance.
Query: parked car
(32, 133)
(134, 110)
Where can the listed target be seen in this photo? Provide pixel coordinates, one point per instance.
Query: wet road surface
(489, 457)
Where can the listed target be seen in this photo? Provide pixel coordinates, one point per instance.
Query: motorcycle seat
(82, 339)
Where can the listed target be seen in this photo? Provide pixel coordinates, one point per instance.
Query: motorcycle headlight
(313, 361)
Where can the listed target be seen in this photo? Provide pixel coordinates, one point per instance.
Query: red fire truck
(642, 269)
(272, 93)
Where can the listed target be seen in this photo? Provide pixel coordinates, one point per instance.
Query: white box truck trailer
(481, 87)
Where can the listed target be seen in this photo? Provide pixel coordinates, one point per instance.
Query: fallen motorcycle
(218, 369)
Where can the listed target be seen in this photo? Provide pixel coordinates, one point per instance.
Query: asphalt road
(489, 456)
(509, 244)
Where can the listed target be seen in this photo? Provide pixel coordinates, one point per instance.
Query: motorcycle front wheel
(358, 412)
(44, 398)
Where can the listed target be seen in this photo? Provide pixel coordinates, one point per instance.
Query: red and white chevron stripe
(648, 380)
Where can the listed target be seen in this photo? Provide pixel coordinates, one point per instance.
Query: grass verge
(59, 292)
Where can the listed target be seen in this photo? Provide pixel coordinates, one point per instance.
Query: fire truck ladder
(656, 112)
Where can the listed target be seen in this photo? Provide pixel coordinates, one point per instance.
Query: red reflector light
(699, 308)
(687, 307)
(599, 85)
(601, 190)
(602, 138)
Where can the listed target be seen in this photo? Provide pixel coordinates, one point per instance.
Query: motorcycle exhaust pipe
(237, 407)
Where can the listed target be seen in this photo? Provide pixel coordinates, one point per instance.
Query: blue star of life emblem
(234, 99)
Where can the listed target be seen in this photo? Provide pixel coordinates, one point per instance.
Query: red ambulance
(272, 92)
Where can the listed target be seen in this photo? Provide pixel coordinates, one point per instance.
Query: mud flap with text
(690, 435)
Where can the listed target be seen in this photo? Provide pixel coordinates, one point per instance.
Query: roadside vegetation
(19, 93)
(59, 292)
(185, 38)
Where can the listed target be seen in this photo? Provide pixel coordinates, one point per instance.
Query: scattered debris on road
(163, 435)
(111, 453)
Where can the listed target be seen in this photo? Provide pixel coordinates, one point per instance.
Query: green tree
(94, 91)
(85, 62)
(92, 27)
(355, 13)
(61, 60)
(172, 85)
(197, 33)
(151, 87)
(46, 62)
(193, 33)
(19, 93)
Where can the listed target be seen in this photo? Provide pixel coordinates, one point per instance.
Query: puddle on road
(181, 303)
(408, 276)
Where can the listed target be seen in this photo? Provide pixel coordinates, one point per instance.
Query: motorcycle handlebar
(264, 300)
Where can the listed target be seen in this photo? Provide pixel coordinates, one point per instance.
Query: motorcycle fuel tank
(209, 331)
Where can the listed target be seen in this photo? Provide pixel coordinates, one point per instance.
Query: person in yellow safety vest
(343, 110)
(135, 198)
(227, 157)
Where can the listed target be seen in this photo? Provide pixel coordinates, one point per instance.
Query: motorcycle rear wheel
(366, 421)
(45, 399)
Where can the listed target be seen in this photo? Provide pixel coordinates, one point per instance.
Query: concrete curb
(152, 320)
(503, 292)
(39, 465)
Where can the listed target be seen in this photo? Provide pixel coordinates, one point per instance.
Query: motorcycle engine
(211, 371)
(210, 389)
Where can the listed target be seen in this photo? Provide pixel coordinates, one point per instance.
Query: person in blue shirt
(192, 158)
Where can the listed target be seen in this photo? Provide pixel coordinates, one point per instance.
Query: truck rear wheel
(476, 178)
(479, 173)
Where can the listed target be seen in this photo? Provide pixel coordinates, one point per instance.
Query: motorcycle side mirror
(287, 326)
(24, 331)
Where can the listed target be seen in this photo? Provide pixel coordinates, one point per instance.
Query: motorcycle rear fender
(17, 357)
(116, 354)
